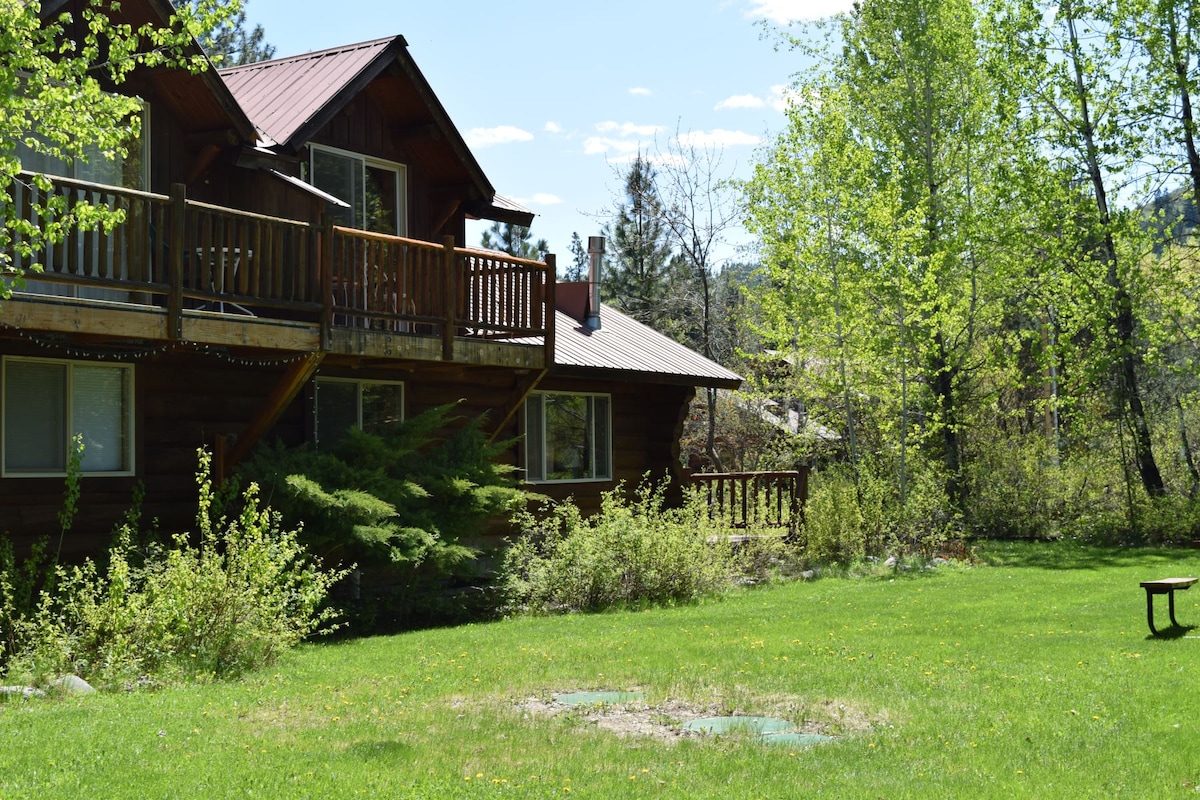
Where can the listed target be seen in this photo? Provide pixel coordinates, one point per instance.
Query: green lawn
(1033, 676)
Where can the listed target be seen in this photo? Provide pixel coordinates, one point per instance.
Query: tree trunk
(1128, 397)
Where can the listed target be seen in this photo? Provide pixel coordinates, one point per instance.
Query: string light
(102, 354)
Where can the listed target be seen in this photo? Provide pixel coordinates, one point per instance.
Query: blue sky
(554, 96)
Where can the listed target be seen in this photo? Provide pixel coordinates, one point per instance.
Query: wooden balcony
(179, 269)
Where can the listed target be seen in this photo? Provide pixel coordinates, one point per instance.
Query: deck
(176, 269)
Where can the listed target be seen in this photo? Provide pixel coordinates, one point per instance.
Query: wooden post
(450, 289)
(325, 260)
(175, 261)
(551, 306)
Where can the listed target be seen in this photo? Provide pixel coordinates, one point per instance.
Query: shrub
(633, 553)
(408, 496)
(233, 602)
(847, 520)
(405, 506)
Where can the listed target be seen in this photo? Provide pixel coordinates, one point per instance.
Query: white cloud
(781, 12)
(641, 90)
(545, 199)
(553, 127)
(717, 138)
(627, 128)
(740, 101)
(783, 96)
(501, 134)
(604, 145)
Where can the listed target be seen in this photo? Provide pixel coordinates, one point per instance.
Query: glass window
(371, 406)
(567, 437)
(374, 189)
(46, 403)
(131, 172)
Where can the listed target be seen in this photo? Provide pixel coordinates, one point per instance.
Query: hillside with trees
(951, 226)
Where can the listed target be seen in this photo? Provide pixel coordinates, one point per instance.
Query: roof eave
(633, 376)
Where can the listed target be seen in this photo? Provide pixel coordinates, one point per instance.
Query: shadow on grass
(1173, 632)
(380, 750)
(1073, 555)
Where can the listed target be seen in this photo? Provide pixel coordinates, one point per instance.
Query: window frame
(128, 402)
(71, 168)
(539, 439)
(358, 383)
(365, 162)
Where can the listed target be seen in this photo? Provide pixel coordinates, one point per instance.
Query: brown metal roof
(291, 99)
(287, 96)
(625, 347)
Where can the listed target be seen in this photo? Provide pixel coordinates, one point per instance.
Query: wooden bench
(1167, 586)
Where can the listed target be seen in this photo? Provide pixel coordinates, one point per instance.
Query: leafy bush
(847, 520)
(403, 505)
(834, 524)
(245, 593)
(633, 553)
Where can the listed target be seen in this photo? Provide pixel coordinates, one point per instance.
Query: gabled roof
(625, 348)
(200, 101)
(291, 99)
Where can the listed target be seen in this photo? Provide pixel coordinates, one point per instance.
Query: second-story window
(130, 172)
(374, 189)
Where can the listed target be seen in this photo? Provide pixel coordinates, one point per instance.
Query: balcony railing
(748, 499)
(183, 254)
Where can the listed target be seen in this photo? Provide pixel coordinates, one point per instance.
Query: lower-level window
(48, 402)
(567, 437)
(370, 406)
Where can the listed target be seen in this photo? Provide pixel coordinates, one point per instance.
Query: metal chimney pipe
(595, 259)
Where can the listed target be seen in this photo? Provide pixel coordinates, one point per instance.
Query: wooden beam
(200, 164)
(520, 395)
(284, 392)
(67, 315)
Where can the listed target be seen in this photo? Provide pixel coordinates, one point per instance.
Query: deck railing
(184, 254)
(747, 499)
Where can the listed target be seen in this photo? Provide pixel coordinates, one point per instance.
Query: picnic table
(1167, 586)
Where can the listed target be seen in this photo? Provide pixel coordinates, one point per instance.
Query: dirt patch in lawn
(664, 720)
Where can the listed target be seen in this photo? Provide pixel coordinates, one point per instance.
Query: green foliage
(21, 582)
(638, 270)
(516, 240)
(407, 505)
(634, 553)
(406, 496)
(850, 517)
(57, 77)
(232, 44)
(230, 603)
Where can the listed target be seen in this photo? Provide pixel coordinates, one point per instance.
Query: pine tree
(230, 44)
(515, 240)
(638, 271)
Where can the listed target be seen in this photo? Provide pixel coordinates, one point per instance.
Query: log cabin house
(293, 261)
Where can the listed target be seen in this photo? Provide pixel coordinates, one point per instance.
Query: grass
(1032, 676)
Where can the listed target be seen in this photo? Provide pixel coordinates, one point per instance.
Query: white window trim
(130, 449)
(607, 445)
(401, 171)
(358, 412)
